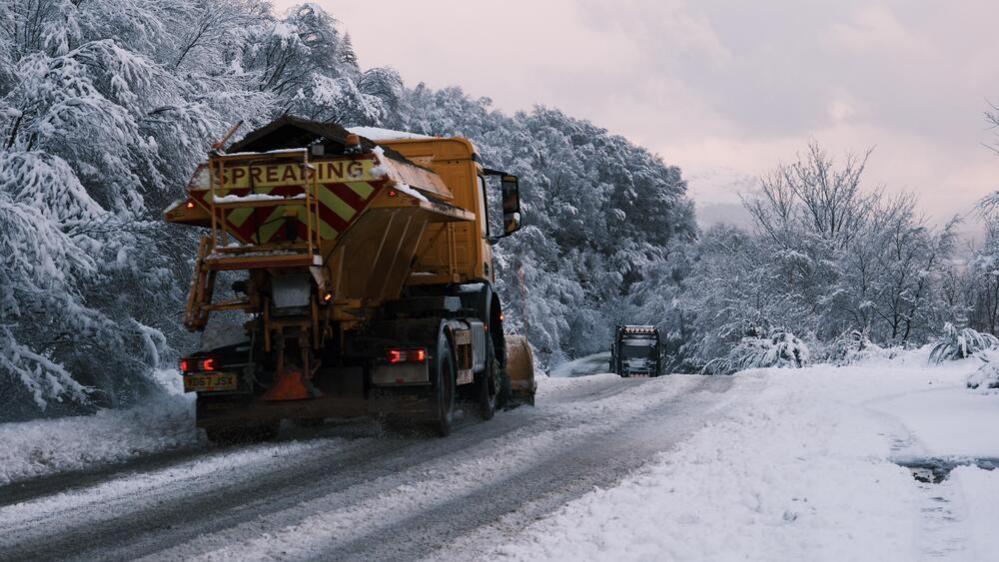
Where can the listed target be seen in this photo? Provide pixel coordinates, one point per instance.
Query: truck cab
(468, 255)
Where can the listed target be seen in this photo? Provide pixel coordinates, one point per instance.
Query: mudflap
(338, 393)
(520, 371)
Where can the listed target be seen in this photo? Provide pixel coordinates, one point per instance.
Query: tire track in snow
(358, 531)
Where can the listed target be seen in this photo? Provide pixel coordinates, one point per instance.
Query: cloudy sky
(725, 89)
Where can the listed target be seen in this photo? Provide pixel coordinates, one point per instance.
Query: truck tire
(488, 383)
(444, 383)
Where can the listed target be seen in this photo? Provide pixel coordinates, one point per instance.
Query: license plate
(215, 382)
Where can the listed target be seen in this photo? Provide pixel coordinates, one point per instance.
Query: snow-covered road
(812, 464)
(352, 492)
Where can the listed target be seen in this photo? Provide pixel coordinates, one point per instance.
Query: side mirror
(511, 204)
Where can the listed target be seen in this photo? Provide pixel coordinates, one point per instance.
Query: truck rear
(347, 278)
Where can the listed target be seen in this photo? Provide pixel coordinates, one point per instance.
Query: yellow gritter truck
(361, 277)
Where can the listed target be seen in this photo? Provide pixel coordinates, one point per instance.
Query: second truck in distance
(636, 351)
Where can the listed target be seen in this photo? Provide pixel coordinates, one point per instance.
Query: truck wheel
(444, 386)
(488, 382)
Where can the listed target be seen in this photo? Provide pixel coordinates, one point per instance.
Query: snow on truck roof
(378, 134)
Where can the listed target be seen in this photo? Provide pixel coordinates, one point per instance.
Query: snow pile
(986, 377)
(555, 384)
(591, 364)
(43, 447)
(942, 421)
(982, 511)
(377, 134)
(405, 188)
(130, 494)
(256, 197)
(802, 469)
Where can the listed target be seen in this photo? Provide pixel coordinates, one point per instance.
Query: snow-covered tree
(828, 257)
(305, 61)
(45, 260)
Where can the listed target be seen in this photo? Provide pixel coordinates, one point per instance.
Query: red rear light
(208, 364)
(185, 365)
(396, 356)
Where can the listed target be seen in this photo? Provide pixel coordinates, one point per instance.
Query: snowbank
(43, 447)
(951, 421)
(589, 365)
(801, 469)
(981, 492)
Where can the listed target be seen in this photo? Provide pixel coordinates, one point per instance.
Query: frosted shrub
(986, 378)
(854, 346)
(961, 344)
(781, 349)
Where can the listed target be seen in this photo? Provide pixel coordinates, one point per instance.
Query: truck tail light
(185, 365)
(396, 356)
(209, 364)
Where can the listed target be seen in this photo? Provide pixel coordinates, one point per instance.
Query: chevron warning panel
(346, 186)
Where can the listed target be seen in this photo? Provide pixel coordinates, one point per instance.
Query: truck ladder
(223, 254)
(202, 287)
